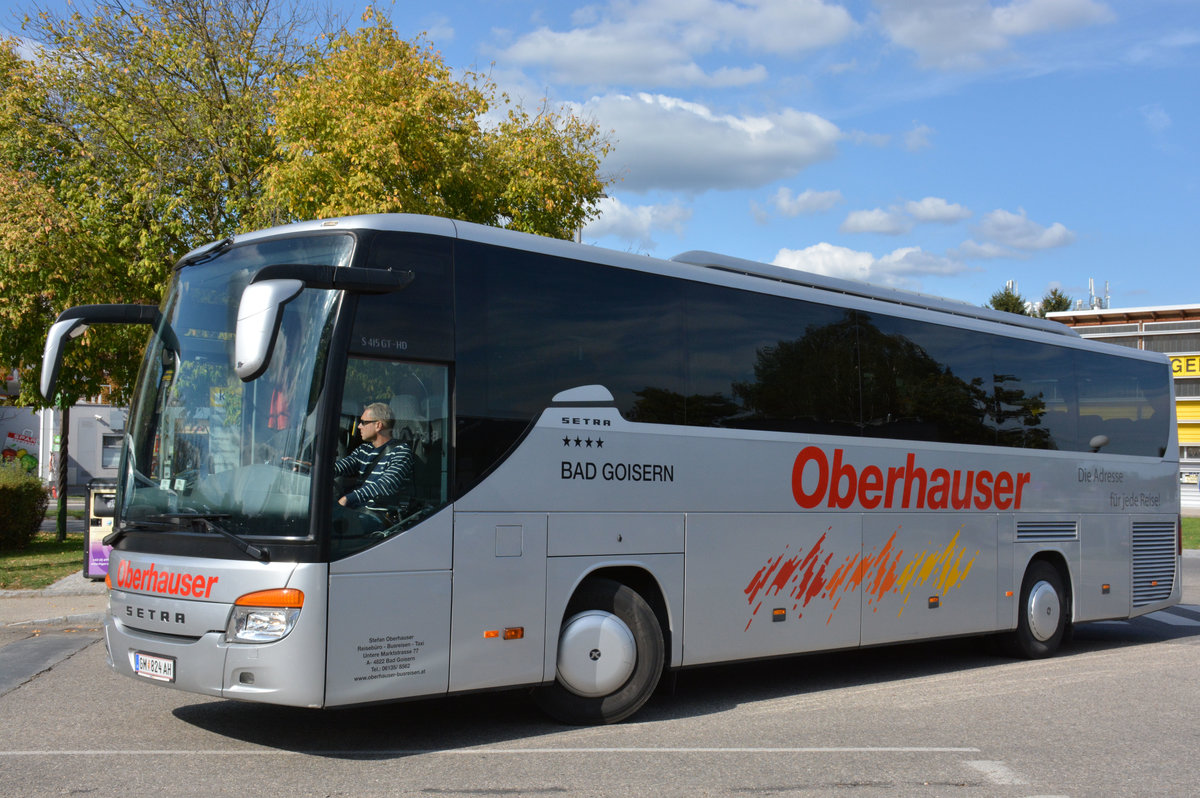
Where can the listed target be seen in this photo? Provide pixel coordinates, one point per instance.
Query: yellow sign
(1185, 365)
(216, 397)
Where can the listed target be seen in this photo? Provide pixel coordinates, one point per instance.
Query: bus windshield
(204, 447)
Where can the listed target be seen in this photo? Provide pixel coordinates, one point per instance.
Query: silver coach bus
(618, 465)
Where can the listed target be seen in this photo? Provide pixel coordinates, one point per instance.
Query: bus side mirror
(258, 322)
(52, 354)
(1098, 442)
(73, 322)
(275, 285)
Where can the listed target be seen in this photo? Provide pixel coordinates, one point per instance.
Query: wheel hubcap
(596, 654)
(1044, 611)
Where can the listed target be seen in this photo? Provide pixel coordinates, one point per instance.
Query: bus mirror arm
(274, 286)
(337, 278)
(73, 322)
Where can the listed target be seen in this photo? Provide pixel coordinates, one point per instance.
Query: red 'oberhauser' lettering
(839, 485)
(168, 583)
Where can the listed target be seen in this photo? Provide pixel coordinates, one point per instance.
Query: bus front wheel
(1043, 613)
(610, 656)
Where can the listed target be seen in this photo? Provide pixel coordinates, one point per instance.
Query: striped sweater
(391, 473)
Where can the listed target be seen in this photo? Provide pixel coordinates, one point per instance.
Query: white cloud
(1023, 17)
(918, 138)
(962, 33)
(936, 209)
(667, 143)
(973, 250)
(1020, 232)
(600, 56)
(828, 259)
(900, 219)
(656, 42)
(1165, 48)
(889, 222)
(898, 269)
(636, 224)
(807, 201)
(913, 261)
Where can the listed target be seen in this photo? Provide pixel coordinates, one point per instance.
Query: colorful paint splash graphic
(878, 574)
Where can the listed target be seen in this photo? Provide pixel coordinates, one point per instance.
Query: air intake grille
(1153, 562)
(1047, 530)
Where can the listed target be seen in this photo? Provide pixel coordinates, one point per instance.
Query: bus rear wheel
(610, 656)
(1043, 613)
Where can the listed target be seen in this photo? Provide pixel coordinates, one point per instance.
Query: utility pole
(61, 523)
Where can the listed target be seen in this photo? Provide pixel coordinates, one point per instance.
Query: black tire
(1043, 614)
(620, 609)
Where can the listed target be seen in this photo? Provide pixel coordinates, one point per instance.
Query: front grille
(1154, 558)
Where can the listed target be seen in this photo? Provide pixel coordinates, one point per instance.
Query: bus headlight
(264, 616)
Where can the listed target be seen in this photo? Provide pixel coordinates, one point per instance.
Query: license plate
(153, 667)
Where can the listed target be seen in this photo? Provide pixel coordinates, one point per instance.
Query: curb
(74, 584)
(82, 619)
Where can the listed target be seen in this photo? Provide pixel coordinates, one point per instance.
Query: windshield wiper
(201, 522)
(205, 522)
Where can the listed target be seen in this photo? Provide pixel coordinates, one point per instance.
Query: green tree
(1054, 301)
(1008, 300)
(146, 128)
(377, 124)
(138, 132)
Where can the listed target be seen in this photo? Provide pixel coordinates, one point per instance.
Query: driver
(382, 465)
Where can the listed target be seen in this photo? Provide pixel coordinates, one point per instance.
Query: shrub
(23, 501)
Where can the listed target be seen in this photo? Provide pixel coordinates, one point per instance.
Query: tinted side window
(925, 381)
(530, 326)
(764, 362)
(1035, 396)
(417, 322)
(1128, 401)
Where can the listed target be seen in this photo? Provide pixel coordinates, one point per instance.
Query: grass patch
(52, 512)
(1191, 533)
(42, 563)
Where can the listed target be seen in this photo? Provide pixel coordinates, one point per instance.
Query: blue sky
(944, 146)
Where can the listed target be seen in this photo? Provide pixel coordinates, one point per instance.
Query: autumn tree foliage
(137, 131)
(378, 124)
(127, 137)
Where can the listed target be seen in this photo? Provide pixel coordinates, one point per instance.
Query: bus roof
(432, 225)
